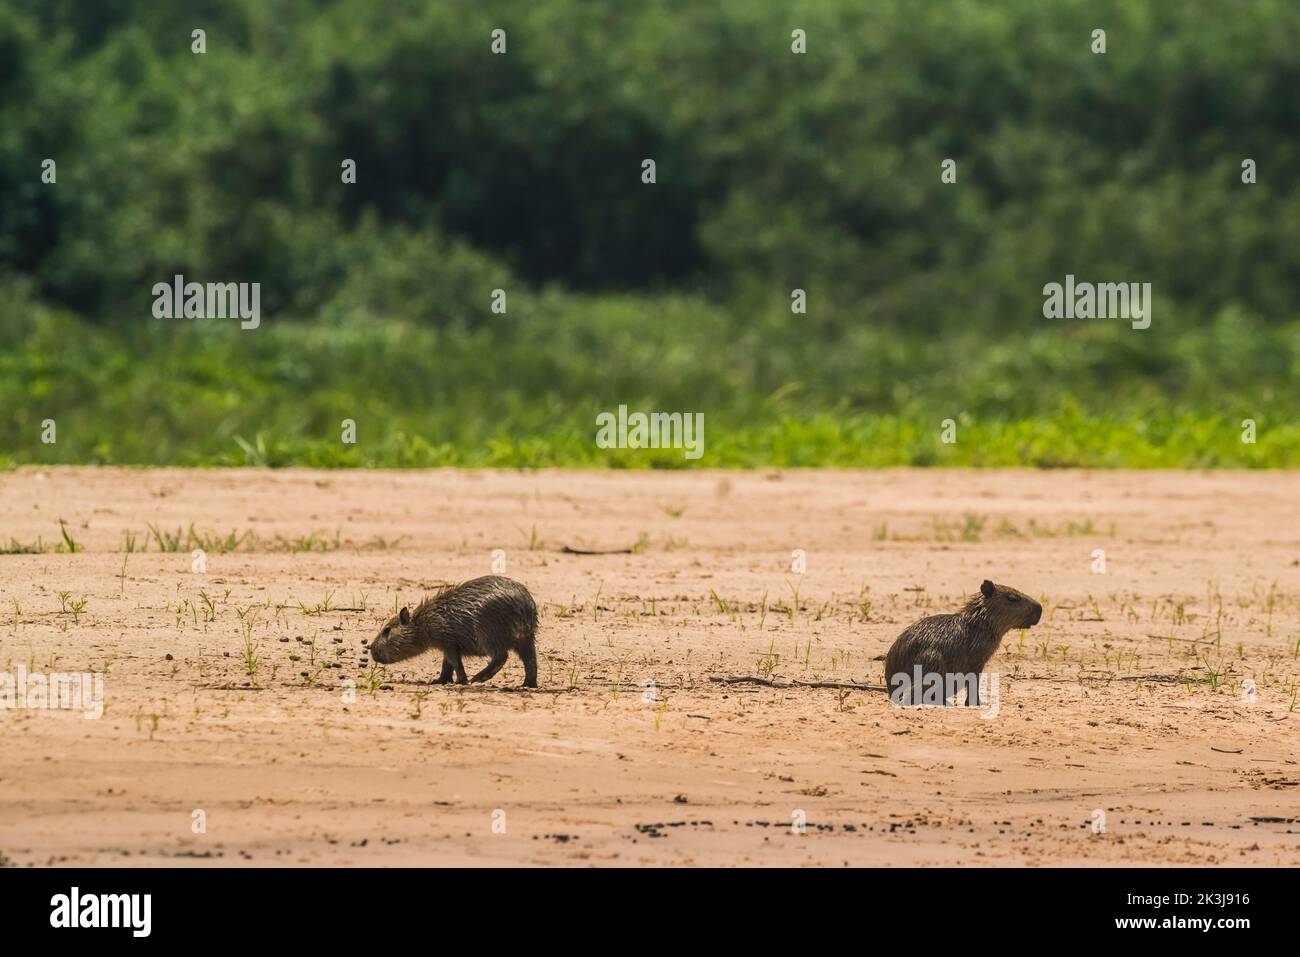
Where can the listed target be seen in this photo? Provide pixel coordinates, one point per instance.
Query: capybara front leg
(457, 665)
(445, 677)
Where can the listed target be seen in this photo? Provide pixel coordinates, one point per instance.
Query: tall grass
(525, 393)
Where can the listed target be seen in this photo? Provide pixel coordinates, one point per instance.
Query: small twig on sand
(768, 682)
(570, 550)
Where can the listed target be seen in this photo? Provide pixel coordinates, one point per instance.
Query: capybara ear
(404, 616)
(987, 589)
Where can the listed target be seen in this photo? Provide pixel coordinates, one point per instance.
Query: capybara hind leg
(528, 655)
(445, 677)
(495, 665)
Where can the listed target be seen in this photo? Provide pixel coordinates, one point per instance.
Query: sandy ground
(1150, 718)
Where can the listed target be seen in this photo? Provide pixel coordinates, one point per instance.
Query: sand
(1150, 719)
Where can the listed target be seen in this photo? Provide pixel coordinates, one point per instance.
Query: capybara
(957, 646)
(486, 617)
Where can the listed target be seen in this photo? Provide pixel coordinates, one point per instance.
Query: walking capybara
(952, 648)
(486, 617)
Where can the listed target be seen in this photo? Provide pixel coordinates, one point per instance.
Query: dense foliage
(775, 171)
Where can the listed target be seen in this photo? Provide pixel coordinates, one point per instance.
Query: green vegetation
(775, 171)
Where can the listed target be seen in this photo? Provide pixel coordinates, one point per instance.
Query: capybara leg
(445, 677)
(495, 665)
(973, 693)
(457, 665)
(528, 654)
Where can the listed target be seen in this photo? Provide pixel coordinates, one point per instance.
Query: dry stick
(1159, 679)
(1193, 641)
(477, 688)
(570, 550)
(292, 607)
(768, 682)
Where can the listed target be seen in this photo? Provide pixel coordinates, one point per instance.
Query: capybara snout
(1009, 608)
(396, 641)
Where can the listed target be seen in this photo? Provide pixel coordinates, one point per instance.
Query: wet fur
(963, 642)
(486, 617)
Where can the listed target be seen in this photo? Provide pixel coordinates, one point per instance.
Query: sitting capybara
(953, 648)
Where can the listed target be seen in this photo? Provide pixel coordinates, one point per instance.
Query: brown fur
(486, 617)
(958, 644)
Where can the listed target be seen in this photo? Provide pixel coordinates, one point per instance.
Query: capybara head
(396, 641)
(1008, 608)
